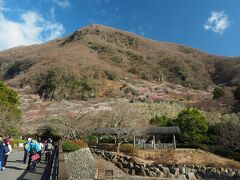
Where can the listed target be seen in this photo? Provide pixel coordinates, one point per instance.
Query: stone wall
(133, 167)
(80, 164)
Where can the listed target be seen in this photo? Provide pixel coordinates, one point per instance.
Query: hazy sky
(210, 25)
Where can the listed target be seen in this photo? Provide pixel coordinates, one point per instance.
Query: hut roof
(153, 130)
(163, 130)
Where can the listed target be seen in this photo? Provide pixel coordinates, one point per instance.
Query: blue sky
(210, 25)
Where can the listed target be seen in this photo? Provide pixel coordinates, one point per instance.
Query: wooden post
(154, 142)
(174, 142)
(134, 141)
(97, 139)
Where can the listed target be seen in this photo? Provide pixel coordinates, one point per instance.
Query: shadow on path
(41, 172)
(17, 161)
(13, 167)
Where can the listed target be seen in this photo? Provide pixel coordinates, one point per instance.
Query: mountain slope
(92, 61)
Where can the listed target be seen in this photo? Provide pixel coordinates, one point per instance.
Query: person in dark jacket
(2, 153)
(8, 150)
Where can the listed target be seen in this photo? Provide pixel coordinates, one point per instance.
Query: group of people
(5, 150)
(33, 151)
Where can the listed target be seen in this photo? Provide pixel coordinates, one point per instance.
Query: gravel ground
(80, 164)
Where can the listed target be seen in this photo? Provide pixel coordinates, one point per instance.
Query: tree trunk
(118, 146)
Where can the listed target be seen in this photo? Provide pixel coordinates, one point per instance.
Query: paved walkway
(16, 170)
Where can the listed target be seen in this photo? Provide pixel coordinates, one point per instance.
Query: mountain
(97, 61)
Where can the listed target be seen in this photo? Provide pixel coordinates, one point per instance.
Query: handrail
(48, 172)
(62, 171)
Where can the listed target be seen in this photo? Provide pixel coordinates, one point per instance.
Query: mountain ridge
(98, 53)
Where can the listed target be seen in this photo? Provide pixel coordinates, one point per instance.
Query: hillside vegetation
(83, 65)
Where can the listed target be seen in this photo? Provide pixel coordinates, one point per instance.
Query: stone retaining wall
(80, 164)
(133, 167)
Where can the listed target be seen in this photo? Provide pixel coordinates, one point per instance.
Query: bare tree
(121, 118)
(230, 135)
(72, 124)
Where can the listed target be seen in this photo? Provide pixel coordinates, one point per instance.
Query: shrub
(91, 139)
(226, 152)
(133, 70)
(68, 146)
(56, 84)
(218, 93)
(213, 134)
(111, 75)
(12, 131)
(100, 49)
(237, 93)
(15, 142)
(160, 120)
(16, 68)
(47, 84)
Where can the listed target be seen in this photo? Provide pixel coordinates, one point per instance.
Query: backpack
(6, 148)
(33, 149)
(48, 146)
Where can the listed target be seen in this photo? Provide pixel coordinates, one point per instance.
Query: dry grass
(128, 149)
(187, 156)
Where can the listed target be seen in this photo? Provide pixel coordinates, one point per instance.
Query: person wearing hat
(2, 152)
(8, 150)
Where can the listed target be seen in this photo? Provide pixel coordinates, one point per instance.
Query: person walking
(2, 153)
(33, 149)
(48, 150)
(40, 144)
(8, 150)
(25, 147)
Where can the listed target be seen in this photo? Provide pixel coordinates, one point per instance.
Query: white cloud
(62, 3)
(2, 7)
(32, 28)
(52, 12)
(218, 22)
